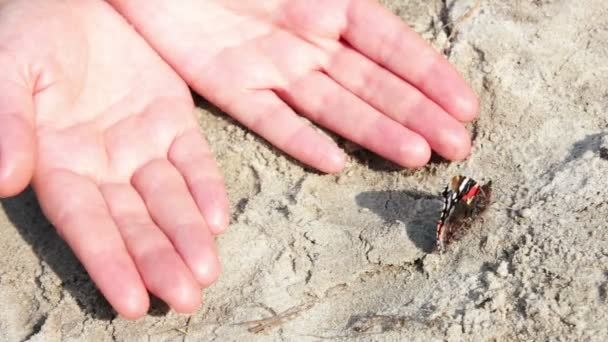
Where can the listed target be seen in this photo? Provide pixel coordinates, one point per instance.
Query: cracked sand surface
(346, 257)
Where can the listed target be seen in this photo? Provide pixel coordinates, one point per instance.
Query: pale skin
(104, 129)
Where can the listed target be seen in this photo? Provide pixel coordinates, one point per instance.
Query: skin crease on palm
(119, 165)
(105, 131)
(350, 66)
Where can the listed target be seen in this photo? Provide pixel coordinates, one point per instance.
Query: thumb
(17, 138)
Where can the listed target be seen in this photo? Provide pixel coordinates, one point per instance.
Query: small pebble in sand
(503, 269)
(526, 213)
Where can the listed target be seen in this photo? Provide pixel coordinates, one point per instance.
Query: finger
(191, 156)
(267, 115)
(17, 138)
(259, 108)
(161, 268)
(325, 102)
(77, 209)
(400, 101)
(388, 41)
(171, 206)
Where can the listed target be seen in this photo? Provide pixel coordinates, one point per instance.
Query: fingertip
(208, 270)
(334, 161)
(135, 305)
(128, 296)
(217, 220)
(416, 153)
(317, 150)
(17, 155)
(14, 179)
(459, 144)
(215, 208)
(452, 142)
(186, 299)
(466, 106)
(176, 286)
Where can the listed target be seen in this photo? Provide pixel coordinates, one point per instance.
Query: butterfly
(463, 200)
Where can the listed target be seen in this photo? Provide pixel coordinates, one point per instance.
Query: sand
(312, 257)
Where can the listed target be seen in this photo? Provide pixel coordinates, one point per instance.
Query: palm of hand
(348, 65)
(122, 170)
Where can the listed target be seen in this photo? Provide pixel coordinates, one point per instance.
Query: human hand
(106, 133)
(348, 65)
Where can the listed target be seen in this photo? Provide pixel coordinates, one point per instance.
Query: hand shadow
(418, 210)
(27, 217)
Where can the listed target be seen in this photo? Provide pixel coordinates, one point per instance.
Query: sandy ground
(349, 256)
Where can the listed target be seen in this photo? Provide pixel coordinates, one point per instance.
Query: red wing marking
(472, 193)
(460, 202)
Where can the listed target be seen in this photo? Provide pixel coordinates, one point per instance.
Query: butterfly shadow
(417, 210)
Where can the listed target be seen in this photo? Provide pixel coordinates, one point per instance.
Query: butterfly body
(463, 200)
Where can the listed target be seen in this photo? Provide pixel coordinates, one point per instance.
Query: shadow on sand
(34, 228)
(418, 210)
